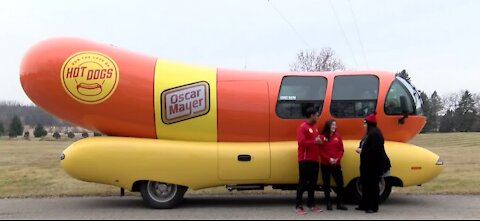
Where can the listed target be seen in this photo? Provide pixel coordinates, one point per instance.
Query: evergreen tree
(476, 124)
(435, 106)
(426, 110)
(403, 74)
(446, 123)
(39, 131)
(16, 127)
(465, 113)
(2, 129)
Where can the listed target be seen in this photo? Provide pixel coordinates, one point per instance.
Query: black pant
(308, 176)
(336, 172)
(370, 192)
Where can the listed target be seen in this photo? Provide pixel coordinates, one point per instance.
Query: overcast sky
(436, 41)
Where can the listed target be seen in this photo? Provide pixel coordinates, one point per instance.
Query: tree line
(455, 112)
(16, 129)
(13, 117)
(29, 114)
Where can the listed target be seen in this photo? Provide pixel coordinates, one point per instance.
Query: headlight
(439, 161)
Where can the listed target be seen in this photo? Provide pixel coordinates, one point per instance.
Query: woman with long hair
(331, 153)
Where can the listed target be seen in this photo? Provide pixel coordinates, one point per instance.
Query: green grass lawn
(31, 168)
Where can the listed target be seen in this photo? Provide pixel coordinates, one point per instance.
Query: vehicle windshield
(400, 87)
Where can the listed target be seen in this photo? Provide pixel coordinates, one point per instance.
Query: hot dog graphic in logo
(89, 89)
(90, 77)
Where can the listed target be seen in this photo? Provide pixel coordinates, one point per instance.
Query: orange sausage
(121, 106)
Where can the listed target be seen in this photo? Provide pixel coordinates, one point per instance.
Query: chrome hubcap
(381, 186)
(161, 192)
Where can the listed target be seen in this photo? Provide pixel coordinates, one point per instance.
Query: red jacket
(308, 150)
(331, 148)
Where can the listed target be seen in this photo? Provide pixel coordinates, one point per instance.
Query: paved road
(399, 206)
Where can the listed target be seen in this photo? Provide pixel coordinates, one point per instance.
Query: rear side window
(354, 96)
(297, 93)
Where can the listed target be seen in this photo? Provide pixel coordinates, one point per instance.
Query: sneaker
(329, 205)
(300, 211)
(341, 207)
(316, 209)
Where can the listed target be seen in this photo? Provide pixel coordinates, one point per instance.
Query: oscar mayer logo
(185, 102)
(89, 77)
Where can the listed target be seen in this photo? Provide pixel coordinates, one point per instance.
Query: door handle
(244, 157)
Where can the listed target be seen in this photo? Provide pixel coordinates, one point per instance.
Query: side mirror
(404, 107)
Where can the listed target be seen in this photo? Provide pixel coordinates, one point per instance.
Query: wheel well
(352, 182)
(394, 181)
(136, 185)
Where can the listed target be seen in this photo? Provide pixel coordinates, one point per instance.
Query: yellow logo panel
(89, 77)
(185, 102)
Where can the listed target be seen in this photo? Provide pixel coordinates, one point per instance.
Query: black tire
(160, 195)
(354, 190)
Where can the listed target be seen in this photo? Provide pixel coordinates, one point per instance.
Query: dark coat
(373, 158)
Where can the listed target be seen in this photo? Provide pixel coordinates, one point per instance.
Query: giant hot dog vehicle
(173, 126)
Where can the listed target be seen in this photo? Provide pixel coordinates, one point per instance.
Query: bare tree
(311, 61)
(451, 100)
(476, 98)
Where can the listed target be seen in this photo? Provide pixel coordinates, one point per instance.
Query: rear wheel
(355, 190)
(160, 195)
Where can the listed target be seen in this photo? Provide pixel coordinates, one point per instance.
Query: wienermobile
(174, 126)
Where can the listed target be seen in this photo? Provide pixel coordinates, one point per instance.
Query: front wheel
(355, 190)
(160, 195)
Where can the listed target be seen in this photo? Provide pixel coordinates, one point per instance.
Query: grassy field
(460, 152)
(30, 168)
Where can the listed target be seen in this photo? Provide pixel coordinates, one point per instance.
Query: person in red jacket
(331, 153)
(308, 146)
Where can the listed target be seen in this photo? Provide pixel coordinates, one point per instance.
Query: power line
(358, 33)
(344, 34)
(289, 24)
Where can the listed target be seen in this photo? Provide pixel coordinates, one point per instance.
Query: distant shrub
(26, 135)
(71, 135)
(56, 135)
(84, 134)
(97, 134)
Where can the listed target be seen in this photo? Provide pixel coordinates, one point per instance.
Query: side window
(392, 101)
(298, 92)
(354, 96)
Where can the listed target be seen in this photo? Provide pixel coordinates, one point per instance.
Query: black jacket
(373, 158)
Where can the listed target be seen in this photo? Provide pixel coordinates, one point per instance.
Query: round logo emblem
(89, 77)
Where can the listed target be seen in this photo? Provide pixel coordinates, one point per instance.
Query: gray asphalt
(239, 207)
